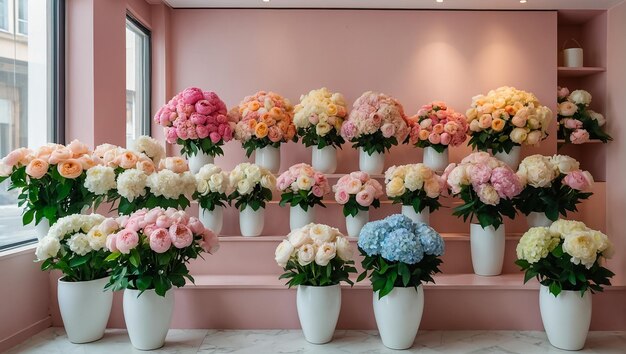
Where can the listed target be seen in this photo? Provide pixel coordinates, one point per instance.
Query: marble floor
(53, 341)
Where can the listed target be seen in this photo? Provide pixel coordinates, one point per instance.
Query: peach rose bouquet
(319, 117)
(438, 126)
(357, 191)
(414, 186)
(577, 123)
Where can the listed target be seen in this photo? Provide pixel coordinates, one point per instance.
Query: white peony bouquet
(213, 187)
(252, 186)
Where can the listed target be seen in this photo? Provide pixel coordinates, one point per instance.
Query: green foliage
(310, 138)
(191, 147)
(303, 199)
(425, 143)
(75, 268)
(313, 274)
(418, 200)
(491, 139)
(211, 200)
(552, 201)
(149, 200)
(255, 199)
(375, 142)
(487, 215)
(256, 143)
(352, 207)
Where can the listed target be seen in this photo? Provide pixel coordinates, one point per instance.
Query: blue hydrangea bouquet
(399, 253)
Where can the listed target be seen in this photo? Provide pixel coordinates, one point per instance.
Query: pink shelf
(578, 72)
(592, 141)
(273, 238)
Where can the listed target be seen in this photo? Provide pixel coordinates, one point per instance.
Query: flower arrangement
(487, 187)
(264, 119)
(399, 253)
(376, 123)
(357, 191)
(507, 117)
(197, 120)
(319, 117)
(316, 255)
(252, 186)
(565, 256)
(438, 126)
(213, 187)
(149, 147)
(552, 185)
(577, 123)
(415, 185)
(75, 245)
(302, 186)
(152, 248)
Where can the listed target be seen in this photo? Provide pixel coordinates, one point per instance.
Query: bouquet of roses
(152, 248)
(507, 117)
(376, 123)
(319, 117)
(302, 186)
(552, 185)
(578, 123)
(315, 255)
(264, 119)
(399, 253)
(197, 120)
(213, 187)
(357, 191)
(415, 185)
(252, 186)
(487, 187)
(437, 126)
(565, 256)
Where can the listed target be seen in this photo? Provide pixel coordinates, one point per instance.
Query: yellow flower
(497, 124)
(395, 187)
(260, 130)
(331, 109)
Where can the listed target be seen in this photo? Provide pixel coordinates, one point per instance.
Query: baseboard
(24, 334)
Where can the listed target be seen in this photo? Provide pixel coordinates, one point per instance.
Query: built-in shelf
(448, 236)
(592, 141)
(578, 72)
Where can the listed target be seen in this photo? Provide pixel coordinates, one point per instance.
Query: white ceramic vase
(436, 161)
(85, 309)
(198, 160)
(268, 157)
(566, 317)
(212, 219)
(41, 229)
(354, 224)
(298, 217)
(318, 311)
(372, 164)
(148, 317)
(398, 316)
(423, 217)
(511, 158)
(487, 247)
(251, 222)
(535, 219)
(324, 159)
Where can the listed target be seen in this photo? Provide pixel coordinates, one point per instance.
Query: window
(30, 94)
(137, 80)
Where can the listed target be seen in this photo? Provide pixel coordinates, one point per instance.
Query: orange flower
(423, 134)
(254, 106)
(251, 124)
(275, 112)
(37, 168)
(70, 168)
(510, 110)
(497, 124)
(260, 130)
(128, 159)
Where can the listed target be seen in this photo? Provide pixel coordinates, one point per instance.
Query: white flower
(79, 244)
(304, 182)
(253, 173)
(202, 186)
(344, 250)
(582, 247)
(564, 227)
(132, 184)
(536, 243)
(47, 247)
(597, 117)
(268, 181)
(321, 233)
(151, 147)
(325, 253)
(100, 179)
(216, 183)
(306, 254)
(96, 238)
(537, 171)
(580, 97)
(299, 237)
(283, 253)
(565, 164)
(244, 187)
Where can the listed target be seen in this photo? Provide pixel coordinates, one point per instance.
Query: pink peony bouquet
(487, 187)
(357, 191)
(577, 123)
(437, 126)
(303, 186)
(197, 120)
(264, 119)
(376, 123)
(152, 248)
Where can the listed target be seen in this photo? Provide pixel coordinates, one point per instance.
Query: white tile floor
(53, 341)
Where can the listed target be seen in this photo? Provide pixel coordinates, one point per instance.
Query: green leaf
(134, 257)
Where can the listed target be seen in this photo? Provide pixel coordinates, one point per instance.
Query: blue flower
(402, 245)
(430, 239)
(396, 221)
(371, 236)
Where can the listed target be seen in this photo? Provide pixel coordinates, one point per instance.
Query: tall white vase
(298, 217)
(324, 159)
(566, 317)
(268, 157)
(85, 309)
(41, 229)
(372, 164)
(251, 222)
(423, 216)
(437, 161)
(511, 158)
(487, 247)
(535, 219)
(318, 311)
(198, 160)
(148, 317)
(354, 224)
(212, 219)
(398, 316)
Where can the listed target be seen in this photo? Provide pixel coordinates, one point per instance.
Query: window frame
(146, 71)
(18, 20)
(8, 20)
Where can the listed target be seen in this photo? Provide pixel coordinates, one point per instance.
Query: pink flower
(170, 135)
(572, 123)
(202, 131)
(434, 138)
(152, 215)
(37, 168)
(160, 240)
(210, 242)
(192, 95)
(110, 243)
(342, 196)
(215, 137)
(126, 240)
(147, 230)
(445, 139)
(314, 119)
(195, 225)
(365, 197)
(348, 130)
(122, 220)
(579, 136)
(317, 191)
(204, 107)
(274, 134)
(506, 182)
(578, 180)
(164, 221)
(562, 92)
(197, 118)
(388, 130)
(181, 235)
(479, 173)
(57, 156)
(360, 175)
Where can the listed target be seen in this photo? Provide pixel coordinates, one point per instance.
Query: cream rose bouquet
(319, 117)
(565, 256)
(552, 185)
(577, 123)
(507, 117)
(252, 186)
(414, 185)
(302, 186)
(357, 191)
(438, 126)
(315, 255)
(213, 187)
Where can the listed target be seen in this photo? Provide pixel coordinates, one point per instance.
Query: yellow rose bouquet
(416, 187)
(318, 118)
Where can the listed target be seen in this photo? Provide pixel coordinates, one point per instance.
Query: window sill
(18, 251)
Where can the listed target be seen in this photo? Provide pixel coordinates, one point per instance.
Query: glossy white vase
(436, 161)
(198, 160)
(566, 317)
(324, 159)
(268, 157)
(41, 229)
(298, 217)
(372, 164)
(423, 216)
(487, 247)
(535, 219)
(511, 158)
(212, 219)
(398, 316)
(251, 222)
(318, 311)
(354, 224)
(85, 309)
(148, 317)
